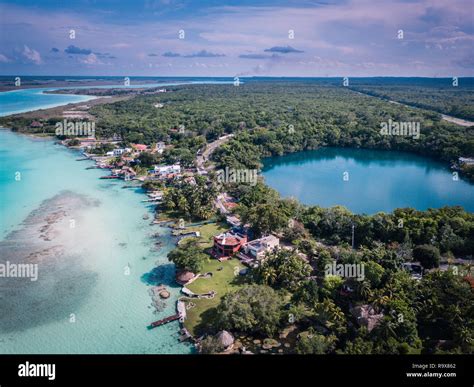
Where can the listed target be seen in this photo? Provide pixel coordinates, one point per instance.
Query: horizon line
(240, 77)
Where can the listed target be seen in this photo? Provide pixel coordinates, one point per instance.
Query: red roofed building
(230, 205)
(227, 244)
(140, 147)
(36, 124)
(469, 280)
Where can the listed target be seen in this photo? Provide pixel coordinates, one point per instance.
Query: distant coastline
(40, 98)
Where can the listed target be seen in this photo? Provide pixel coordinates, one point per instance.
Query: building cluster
(237, 241)
(121, 160)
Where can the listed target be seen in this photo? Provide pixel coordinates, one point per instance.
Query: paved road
(201, 159)
(454, 120)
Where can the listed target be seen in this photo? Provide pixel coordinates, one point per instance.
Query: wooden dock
(164, 321)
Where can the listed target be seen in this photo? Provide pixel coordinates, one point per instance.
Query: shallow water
(111, 309)
(25, 100)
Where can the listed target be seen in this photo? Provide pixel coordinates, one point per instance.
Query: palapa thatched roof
(366, 315)
(184, 277)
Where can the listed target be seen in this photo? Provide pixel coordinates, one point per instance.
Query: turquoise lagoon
(113, 315)
(25, 100)
(377, 180)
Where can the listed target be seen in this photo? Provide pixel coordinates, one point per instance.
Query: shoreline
(69, 84)
(130, 91)
(55, 111)
(174, 219)
(52, 233)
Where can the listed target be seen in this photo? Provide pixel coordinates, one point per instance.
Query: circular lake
(366, 181)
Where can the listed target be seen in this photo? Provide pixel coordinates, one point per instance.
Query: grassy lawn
(207, 232)
(224, 278)
(222, 282)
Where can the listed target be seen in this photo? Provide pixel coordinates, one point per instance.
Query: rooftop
(262, 243)
(140, 147)
(229, 239)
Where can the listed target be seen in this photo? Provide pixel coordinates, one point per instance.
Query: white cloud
(32, 55)
(120, 45)
(4, 59)
(91, 59)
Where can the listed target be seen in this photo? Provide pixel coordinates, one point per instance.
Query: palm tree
(387, 329)
(379, 300)
(364, 290)
(268, 275)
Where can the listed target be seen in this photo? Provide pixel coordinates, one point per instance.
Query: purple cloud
(77, 51)
(203, 54)
(170, 54)
(199, 54)
(258, 56)
(283, 50)
(352, 37)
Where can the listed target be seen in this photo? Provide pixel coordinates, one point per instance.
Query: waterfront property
(227, 245)
(36, 124)
(117, 152)
(167, 169)
(257, 249)
(223, 281)
(121, 151)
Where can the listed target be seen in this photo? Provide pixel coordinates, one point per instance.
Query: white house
(160, 147)
(166, 169)
(257, 248)
(121, 151)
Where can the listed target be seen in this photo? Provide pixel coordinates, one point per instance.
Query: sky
(431, 38)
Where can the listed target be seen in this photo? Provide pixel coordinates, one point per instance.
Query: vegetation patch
(225, 278)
